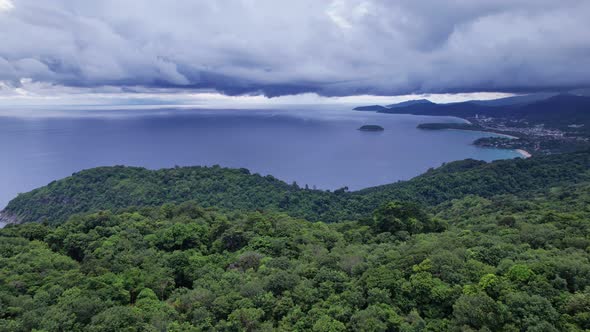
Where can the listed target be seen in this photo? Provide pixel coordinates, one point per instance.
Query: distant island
(371, 128)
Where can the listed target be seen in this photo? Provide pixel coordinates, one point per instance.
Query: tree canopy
(117, 188)
(517, 260)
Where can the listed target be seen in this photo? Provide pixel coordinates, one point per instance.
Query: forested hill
(471, 177)
(503, 263)
(113, 188)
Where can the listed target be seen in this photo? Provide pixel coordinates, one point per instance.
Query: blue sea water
(317, 146)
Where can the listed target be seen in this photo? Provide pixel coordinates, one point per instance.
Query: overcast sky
(280, 47)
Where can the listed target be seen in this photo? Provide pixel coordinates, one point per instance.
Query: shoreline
(483, 131)
(502, 135)
(524, 153)
(491, 131)
(475, 128)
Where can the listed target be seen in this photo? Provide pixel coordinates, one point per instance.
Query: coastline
(484, 131)
(476, 128)
(443, 126)
(524, 153)
(502, 135)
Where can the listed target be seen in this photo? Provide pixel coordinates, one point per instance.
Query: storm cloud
(333, 48)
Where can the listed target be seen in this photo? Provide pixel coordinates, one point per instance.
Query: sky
(72, 51)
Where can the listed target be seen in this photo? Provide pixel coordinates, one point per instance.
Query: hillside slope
(112, 188)
(470, 177)
(504, 263)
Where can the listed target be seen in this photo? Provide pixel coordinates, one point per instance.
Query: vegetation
(371, 128)
(499, 264)
(114, 188)
(470, 246)
(535, 147)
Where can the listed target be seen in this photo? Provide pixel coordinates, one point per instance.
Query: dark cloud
(339, 47)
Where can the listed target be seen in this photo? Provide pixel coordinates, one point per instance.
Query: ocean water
(317, 146)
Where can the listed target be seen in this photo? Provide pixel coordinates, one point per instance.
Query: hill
(557, 112)
(516, 100)
(114, 188)
(410, 103)
(497, 263)
(455, 180)
(111, 188)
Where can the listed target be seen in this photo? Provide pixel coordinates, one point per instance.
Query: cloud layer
(340, 47)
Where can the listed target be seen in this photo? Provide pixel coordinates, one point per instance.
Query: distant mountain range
(410, 103)
(516, 100)
(552, 110)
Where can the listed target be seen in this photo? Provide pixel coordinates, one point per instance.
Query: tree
(379, 317)
(478, 311)
(328, 324)
(398, 217)
(117, 319)
(247, 319)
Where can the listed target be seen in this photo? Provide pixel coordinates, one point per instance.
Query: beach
(524, 153)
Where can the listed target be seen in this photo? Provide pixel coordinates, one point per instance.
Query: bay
(314, 145)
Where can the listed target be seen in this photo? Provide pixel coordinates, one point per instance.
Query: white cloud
(6, 5)
(338, 47)
(31, 93)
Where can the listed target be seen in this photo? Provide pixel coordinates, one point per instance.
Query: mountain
(516, 100)
(508, 101)
(115, 188)
(410, 103)
(463, 109)
(560, 111)
(557, 111)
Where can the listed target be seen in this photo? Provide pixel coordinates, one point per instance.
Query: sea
(317, 146)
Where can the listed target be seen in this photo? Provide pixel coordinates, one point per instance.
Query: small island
(371, 128)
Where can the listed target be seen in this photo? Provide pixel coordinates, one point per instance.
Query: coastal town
(533, 138)
(519, 134)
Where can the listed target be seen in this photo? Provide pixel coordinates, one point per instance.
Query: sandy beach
(524, 153)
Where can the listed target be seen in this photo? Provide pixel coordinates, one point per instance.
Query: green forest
(469, 246)
(115, 188)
